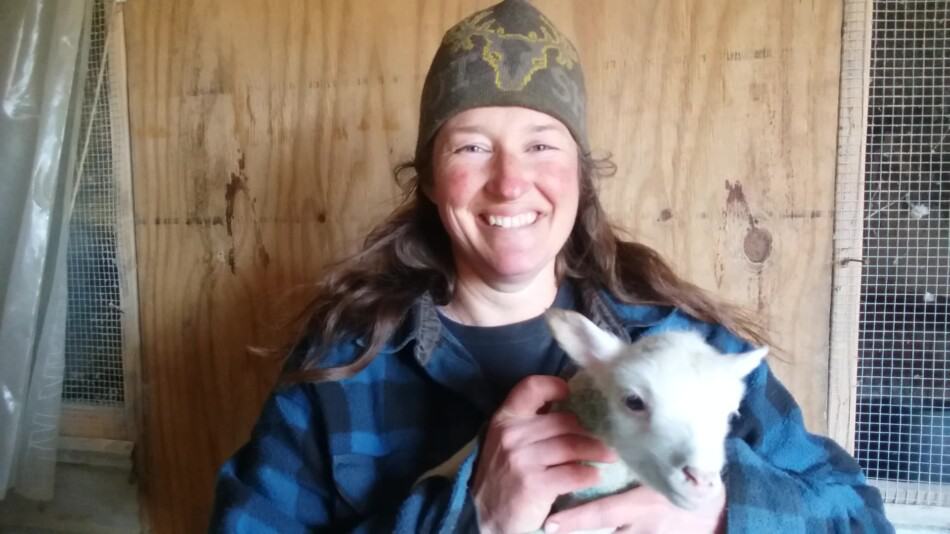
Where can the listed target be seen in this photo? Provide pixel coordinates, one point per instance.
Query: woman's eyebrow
(467, 129)
(534, 128)
(543, 128)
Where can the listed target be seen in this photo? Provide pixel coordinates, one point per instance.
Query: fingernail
(551, 527)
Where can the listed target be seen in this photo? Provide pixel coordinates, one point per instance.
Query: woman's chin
(518, 270)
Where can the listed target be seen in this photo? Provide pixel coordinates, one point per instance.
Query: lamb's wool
(673, 433)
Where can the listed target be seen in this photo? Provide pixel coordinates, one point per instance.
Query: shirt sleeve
(282, 481)
(780, 478)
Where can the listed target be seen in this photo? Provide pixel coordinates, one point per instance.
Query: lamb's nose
(700, 478)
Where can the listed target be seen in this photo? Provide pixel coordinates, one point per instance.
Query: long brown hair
(367, 295)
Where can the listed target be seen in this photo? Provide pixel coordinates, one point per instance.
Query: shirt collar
(424, 327)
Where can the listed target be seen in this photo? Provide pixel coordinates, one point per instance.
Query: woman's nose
(510, 179)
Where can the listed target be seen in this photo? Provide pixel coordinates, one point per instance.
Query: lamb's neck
(589, 404)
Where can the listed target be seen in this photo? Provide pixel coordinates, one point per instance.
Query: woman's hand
(641, 511)
(530, 457)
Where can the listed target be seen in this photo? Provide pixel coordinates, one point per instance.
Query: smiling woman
(506, 186)
(432, 336)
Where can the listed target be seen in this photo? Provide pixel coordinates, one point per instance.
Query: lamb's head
(669, 398)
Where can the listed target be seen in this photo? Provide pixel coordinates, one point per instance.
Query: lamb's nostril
(689, 475)
(700, 478)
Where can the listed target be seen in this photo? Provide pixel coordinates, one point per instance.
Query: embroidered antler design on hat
(507, 55)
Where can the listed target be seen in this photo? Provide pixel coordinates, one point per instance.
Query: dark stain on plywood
(757, 243)
(239, 184)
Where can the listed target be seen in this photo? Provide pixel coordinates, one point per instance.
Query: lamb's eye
(634, 403)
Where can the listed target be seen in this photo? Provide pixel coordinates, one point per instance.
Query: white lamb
(663, 403)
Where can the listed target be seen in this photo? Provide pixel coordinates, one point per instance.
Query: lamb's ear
(745, 363)
(581, 339)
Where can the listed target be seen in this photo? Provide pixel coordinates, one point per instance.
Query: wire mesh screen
(93, 323)
(902, 435)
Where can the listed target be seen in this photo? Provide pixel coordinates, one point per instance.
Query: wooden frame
(849, 219)
(919, 517)
(929, 495)
(125, 225)
(96, 452)
(101, 422)
(115, 427)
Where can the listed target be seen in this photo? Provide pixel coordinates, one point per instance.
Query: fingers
(530, 395)
(564, 449)
(544, 441)
(547, 440)
(539, 428)
(567, 478)
(626, 508)
(639, 510)
(530, 456)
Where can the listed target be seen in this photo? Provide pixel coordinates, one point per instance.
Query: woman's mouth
(513, 221)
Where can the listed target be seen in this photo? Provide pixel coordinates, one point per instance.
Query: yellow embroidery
(460, 38)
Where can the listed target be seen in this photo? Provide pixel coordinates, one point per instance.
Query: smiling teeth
(512, 222)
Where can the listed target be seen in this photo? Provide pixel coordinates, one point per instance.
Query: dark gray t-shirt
(508, 353)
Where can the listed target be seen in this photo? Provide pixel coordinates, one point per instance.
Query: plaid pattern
(343, 456)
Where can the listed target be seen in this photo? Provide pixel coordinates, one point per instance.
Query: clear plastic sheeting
(39, 53)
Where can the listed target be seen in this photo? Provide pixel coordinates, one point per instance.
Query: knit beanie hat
(507, 55)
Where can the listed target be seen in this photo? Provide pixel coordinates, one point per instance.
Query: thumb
(530, 395)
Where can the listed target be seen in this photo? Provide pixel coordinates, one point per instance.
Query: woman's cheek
(561, 178)
(458, 187)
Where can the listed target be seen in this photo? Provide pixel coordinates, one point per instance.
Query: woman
(432, 335)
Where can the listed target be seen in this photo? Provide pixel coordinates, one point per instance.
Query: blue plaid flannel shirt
(343, 456)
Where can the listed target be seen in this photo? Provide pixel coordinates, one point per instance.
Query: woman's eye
(541, 147)
(634, 403)
(470, 148)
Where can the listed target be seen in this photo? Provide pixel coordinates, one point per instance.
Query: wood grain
(264, 134)
(125, 224)
(849, 220)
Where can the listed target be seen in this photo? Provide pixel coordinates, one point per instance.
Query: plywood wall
(264, 132)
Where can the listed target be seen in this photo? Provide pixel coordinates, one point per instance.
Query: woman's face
(505, 180)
